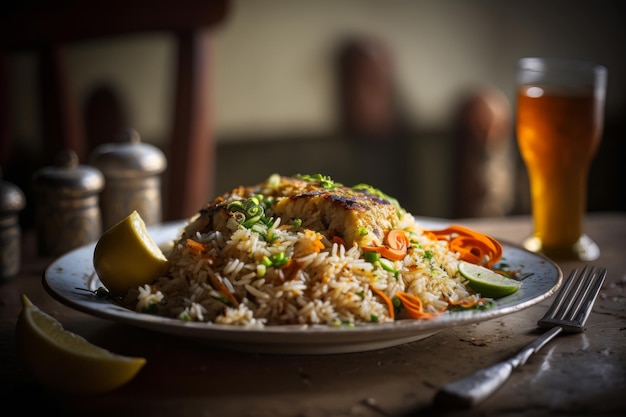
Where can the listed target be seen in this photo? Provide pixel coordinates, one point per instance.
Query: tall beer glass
(560, 114)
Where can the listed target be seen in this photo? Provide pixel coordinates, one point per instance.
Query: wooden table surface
(581, 374)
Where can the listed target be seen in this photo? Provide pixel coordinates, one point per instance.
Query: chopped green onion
(239, 216)
(251, 212)
(271, 237)
(236, 205)
(371, 257)
(325, 180)
(387, 265)
(277, 260)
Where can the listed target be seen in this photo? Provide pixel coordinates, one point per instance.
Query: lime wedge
(487, 282)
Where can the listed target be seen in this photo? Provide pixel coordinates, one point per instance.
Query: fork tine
(574, 302)
(574, 299)
(581, 314)
(558, 301)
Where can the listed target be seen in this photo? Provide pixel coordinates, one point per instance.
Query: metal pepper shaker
(67, 213)
(12, 200)
(132, 172)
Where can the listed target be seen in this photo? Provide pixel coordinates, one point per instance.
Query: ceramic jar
(67, 211)
(132, 171)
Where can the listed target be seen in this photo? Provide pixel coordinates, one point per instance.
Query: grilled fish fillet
(359, 215)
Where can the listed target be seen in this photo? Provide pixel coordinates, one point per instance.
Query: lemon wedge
(64, 361)
(487, 282)
(127, 257)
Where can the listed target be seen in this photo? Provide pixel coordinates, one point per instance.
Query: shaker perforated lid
(12, 198)
(128, 157)
(67, 178)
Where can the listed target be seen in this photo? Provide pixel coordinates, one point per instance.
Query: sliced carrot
(473, 246)
(200, 249)
(395, 249)
(313, 242)
(222, 288)
(413, 306)
(392, 254)
(387, 301)
(397, 239)
(318, 245)
(196, 247)
(386, 252)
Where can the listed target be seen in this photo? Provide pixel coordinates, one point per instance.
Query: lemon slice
(487, 282)
(126, 256)
(64, 361)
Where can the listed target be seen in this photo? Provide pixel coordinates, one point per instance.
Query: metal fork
(568, 313)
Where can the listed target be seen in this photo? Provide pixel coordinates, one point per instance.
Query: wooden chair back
(48, 28)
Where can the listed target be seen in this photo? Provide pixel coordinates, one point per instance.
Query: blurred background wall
(276, 106)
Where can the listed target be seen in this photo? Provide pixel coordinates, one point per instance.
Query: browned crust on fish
(355, 215)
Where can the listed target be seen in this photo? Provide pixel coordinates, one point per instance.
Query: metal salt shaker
(67, 211)
(132, 171)
(12, 201)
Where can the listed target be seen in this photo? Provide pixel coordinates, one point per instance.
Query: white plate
(67, 278)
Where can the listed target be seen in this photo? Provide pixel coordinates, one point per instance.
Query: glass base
(584, 249)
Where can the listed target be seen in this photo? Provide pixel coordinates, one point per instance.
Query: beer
(558, 133)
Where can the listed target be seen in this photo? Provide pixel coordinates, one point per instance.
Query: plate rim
(304, 338)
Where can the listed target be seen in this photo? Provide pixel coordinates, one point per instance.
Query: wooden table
(580, 374)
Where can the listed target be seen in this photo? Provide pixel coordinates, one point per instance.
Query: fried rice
(290, 251)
